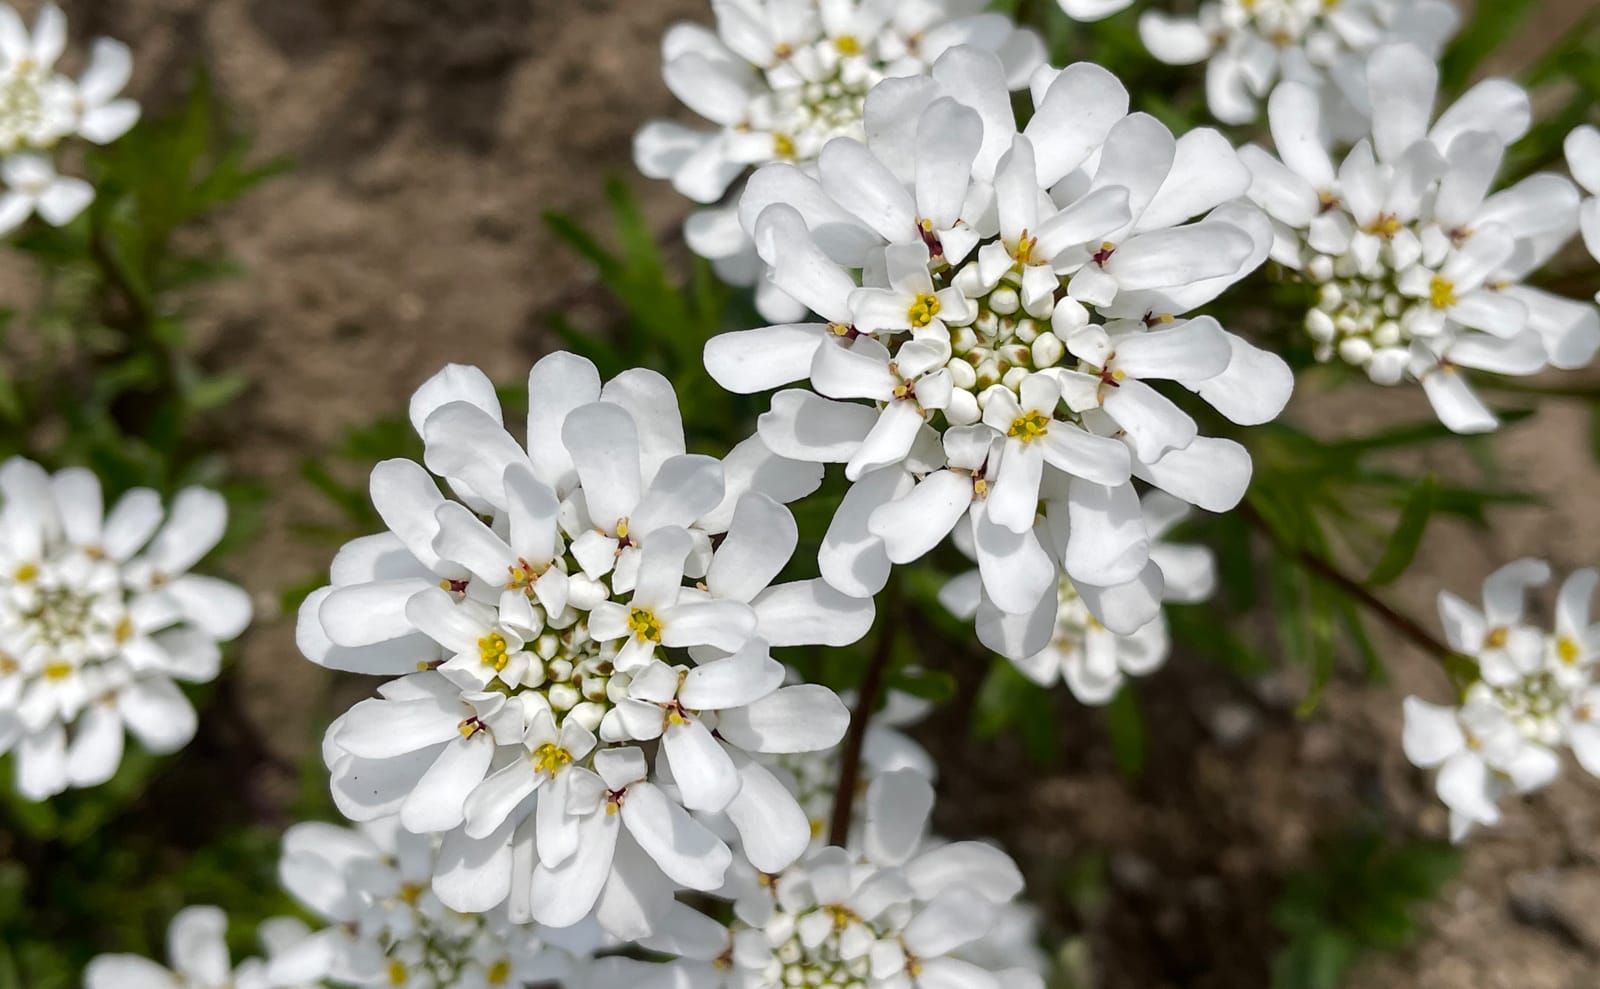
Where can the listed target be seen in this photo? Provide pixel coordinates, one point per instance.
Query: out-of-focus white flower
(385, 927)
(40, 107)
(594, 589)
(1077, 648)
(893, 912)
(98, 616)
(1535, 694)
(1583, 157)
(32, 186)
(778, 80)
(1419, 268)
(1018, 292)
(197, 950)
(1251, 45)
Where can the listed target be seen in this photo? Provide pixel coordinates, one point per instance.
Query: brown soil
(429, 134)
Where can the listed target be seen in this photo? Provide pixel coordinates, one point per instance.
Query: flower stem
(844, 801)
(1408, 627)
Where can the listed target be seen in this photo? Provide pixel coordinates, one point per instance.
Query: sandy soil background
(428, 136)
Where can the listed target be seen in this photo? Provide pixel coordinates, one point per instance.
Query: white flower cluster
(779, 79)
(1078, 649)
(98, 616)
(197, 950)
(40, 107)
(891, 912)
(385, 927)
(1535, 694)
(1018, 292)
(1251, 45)
(1583, 157)
(580, 602)
(1418, 265)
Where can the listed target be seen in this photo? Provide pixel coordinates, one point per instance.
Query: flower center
(1441, 292)
(645, 625)
(1029, 426)
(923, 310)
(550, 758)
(492, 650)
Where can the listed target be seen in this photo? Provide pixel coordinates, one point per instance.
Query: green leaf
(1318, 960)
(1007, 701)
(1407, 535)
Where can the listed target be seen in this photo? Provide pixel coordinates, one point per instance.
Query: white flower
(1018, 292)
(39, 107)
(1076, 647)
(1583, 157)
(593, 589)
(1250, 45)
(781, 78)
(32, 185)
(385, 927)
(197, 950)
(98, 617)
(894, 912)
(1535, 693)
(1418, 266)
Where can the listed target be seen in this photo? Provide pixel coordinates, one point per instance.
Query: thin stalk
(866, 704)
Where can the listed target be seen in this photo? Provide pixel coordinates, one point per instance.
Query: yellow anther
(782, 50)
(26, 572)
(469, 727)
(1385, 226)
(645, 625)
(1118, 375)
(839, 329)
(676, 717)
(923, 310)
(1497, 637)
(622, 528)
(1474, 742)
(1441, 292)
(783, 145)
(1029, 426)
(499, 973)
(980, 487)
(842, 916)
(410, 892)
(550, 758)
(926, 225)
(397, 973)
(847, 44)
(492, 651)
(422, 664)
(7, 664)
(1165, 317)
(1327, 201)
(1568, 650)
(57, 670)
(124, 629)
(1023, 253)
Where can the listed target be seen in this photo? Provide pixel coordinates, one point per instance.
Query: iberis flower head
(1418, 264)
(578, 629)
(98, 617)
(1063, 641)
(995, 306)
(891, 912)
(1534, 693)
(1251, 45)
(1583, 157)
(197, 951)
(40, 107)
(779, 79)
(385, 926)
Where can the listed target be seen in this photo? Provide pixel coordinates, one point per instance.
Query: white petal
(801, 718)
(157, 714)
(686, 851)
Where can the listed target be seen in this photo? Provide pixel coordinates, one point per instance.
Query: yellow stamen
(1568, 650)
(57, 670)
(1023, 253)
(1441, 292)
(469, 727)
(923, 310)
(550, 758)
(782, 50)
(409, 892)
(783, 145)
(499, 973)
(492, 651)
(7, 664)
(1029, 426)
(397, 973)
(1385, 226)
(645, 625)
(847, 45)
(1497, 637)
(26, 572)
(124, 630)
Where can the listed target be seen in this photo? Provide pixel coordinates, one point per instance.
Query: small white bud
(1004, 300)
(1320, 325)
(563, 696)
(1047, 350)
(588, 714)
(1355, 350)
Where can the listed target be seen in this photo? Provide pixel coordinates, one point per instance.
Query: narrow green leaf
(1407, 535)
(1126, 728)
